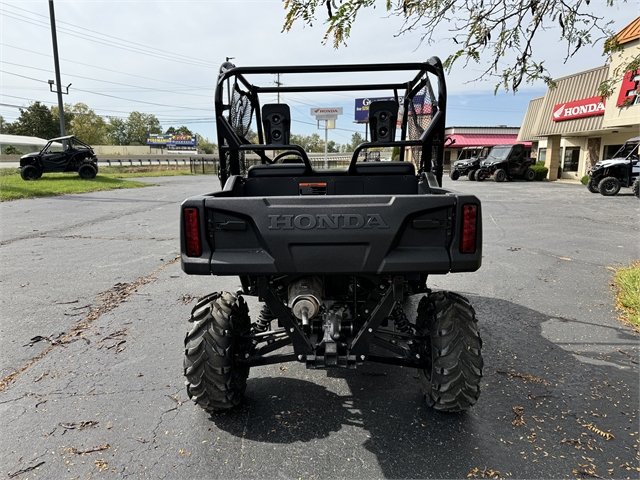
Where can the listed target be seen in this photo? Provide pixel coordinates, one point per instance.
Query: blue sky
(162, 57)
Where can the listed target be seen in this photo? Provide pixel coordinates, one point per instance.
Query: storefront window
(610, 151)
(571, 159)
(542, 155)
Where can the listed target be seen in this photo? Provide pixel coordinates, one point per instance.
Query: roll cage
(421, 112)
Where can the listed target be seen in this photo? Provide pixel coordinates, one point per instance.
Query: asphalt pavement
(94, 306)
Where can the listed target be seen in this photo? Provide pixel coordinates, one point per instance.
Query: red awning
(483, 140)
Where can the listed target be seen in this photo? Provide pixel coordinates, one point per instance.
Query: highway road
(93, 315)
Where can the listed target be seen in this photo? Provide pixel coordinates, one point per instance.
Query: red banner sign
(587, 107)
(629, 89)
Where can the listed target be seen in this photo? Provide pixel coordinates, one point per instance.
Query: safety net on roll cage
(422, 108)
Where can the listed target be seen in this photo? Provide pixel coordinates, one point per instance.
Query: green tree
(333, 147)
(311, 143)
(35, 121)
(139, 125)
(178, 131)
(68, 118)
(116, 131)
(356, 139)
(3, 124)
(206, 146)
(183, 131)
(499, 34)
(87, 125)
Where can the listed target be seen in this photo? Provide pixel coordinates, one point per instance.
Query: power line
(112, 96)
(109, 36)
(23, 76)
(90, 38)
(107, 81)
(102, 68)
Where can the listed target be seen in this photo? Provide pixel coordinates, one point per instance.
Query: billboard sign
(171, 140)
(361, 113)
(330, 113)
(586, 107)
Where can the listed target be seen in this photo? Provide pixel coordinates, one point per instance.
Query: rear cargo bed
(331, 235)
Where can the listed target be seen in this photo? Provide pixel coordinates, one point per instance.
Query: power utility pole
(57, 66)
(279, 84)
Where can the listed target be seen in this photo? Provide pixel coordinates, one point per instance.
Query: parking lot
(94, 308)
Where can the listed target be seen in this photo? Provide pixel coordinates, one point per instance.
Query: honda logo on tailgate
(321, 221)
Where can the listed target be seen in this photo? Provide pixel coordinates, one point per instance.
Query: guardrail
(143, 162)
(204, 165)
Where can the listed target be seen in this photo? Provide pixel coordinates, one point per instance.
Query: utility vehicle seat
(361, 168)
(385, 168)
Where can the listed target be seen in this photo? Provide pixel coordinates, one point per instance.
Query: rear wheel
(455, 174)
(30, 172)
(215, 381)
(609, 186)
(472, 175)
(87, 171)
(529, 175)
(453, 349)
(592, 186)
(636, 187)
(500, 175)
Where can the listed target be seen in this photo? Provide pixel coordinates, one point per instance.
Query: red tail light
(192, 232)
(469, 228)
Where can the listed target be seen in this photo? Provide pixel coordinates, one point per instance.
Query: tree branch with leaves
(499, 34)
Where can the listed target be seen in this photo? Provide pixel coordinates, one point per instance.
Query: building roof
(482, 140)
(21, 140)
(574, 87)
(529, 123)
(498, 129)
(629, 33)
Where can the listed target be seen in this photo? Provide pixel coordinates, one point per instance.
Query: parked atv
(506, 162)
(332, 253)
(62, 154)
(468, 162)
(623, 170)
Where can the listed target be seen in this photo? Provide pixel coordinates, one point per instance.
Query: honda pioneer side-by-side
(332, 254)
(623, 170)
(468, 162)
(62, 154)
(506, 162)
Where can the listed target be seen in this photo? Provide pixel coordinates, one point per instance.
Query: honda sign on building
(587, 107)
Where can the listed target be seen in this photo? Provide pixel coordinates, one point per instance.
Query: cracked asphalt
(94, 309)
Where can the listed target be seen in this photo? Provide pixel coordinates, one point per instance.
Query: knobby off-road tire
(592, 186)
(636, 187)
(500, 175)
(214, 379)
(30, 172)
(529, 175)
(480, 176)
(454, 174)
(87, 171)
(472, 175)
(609, 186)
(451, 382)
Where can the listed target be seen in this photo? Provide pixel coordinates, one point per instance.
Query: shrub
(11, 150)
(584, 180)
(541, 170)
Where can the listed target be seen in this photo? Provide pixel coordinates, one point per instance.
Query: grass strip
(12, 187)
(627, 286)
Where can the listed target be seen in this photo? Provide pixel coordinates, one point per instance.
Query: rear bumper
(331, 235)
